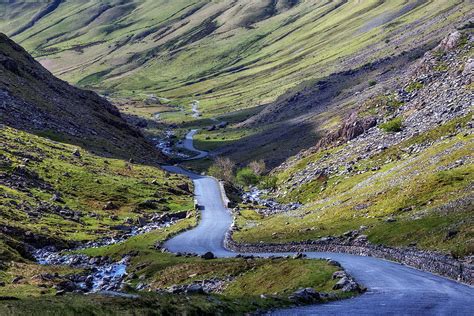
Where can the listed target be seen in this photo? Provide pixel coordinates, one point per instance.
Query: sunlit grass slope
(228, 54)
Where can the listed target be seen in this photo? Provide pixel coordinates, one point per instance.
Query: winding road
(188, 144)
(393, 289)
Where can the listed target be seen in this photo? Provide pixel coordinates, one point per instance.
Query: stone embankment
(433, 262)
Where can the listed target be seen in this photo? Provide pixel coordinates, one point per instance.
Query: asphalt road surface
(189, 145)
(393, 289)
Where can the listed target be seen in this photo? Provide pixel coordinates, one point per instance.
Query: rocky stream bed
(101, 274)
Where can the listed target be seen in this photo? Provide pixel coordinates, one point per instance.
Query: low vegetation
(255, 66)
(71, 195)
(245, 280)
(64, 176)
(392, 126)
(413, 197)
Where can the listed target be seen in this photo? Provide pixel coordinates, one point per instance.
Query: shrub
(268, 182)
(247, 177)
(372, 83)
(392, 126)
(223, 168)
(258, 167)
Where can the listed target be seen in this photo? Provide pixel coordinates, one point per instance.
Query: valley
(234, 156)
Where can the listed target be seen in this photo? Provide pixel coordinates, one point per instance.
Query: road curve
(393, 289)
(189, 145)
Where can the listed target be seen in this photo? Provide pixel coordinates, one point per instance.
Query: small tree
(246, 177)
(258, 167)
(223, 168)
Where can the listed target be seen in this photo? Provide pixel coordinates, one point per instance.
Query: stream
(103, 274)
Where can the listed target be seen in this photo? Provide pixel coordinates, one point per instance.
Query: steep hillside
(56, 194)
(397, 171)
(228, 54)
(62, 182)
(32, 99)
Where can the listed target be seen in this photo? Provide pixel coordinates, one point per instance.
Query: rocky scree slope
(32, 99)
(397, 172)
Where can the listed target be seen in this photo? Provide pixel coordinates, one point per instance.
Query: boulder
(306, 295)
(141, 221)
(60, 293)
(299, 255)
(469, 67)
(347, 284)
(141, 286)
(56, 198)
(67, 286)
(222, 125)
(339, 274)
(195, 289)
(17, 279)
(174, 289)
(341, 283)
(184, 187)
(351, 287)
(208, 256)
(450, 42)
(109, 206)
(89, 281)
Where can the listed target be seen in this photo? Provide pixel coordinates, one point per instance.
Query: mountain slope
(32, 99)
(54, 189)
(51, 194)
(398, 171)
(229, 54)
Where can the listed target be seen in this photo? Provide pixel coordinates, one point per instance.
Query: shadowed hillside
(32, 99)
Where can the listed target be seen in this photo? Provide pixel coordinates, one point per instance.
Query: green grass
(85, 184)
(210, 140)
(414, 86)
(407, 188)
(148, 304)
(392, 126)
(249, 279)
(29, 286)
(248, 66)
(283, 277)
(162, 270)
